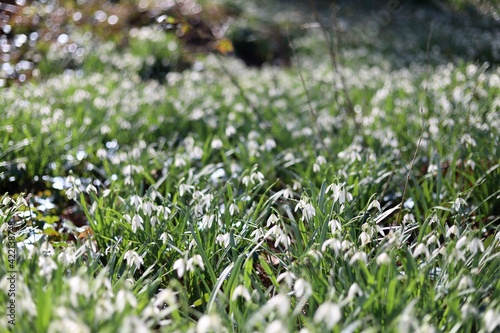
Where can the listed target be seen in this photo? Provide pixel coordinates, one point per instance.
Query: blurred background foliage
(46, 37)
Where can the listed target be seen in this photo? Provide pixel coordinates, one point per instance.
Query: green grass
(204, 215)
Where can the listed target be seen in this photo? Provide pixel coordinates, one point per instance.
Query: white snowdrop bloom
(334, 226)
(328, 313)
(223, 239)
(491, 320)
(452, 230)
(461, 243)
(137, 222)
(165, 296)
(207, 221)
(122, 298)
(316, 167)
(241, 291)
(68, 256)
(90, 189)
(468, 140)
(280, 302)
(383, 259)
(308, 211)
(147, 208)
(288, 277)
(365, 238)
(127, 170)
(269, 145)
(476, 245)
(179, 161)
(196, 260)
(132, 324)
(346, 245)
(216, 143)
(180, 267)
(358, 256)
(133, 257)
(271, 220)
(209, 323)
(432, 240)
(233, 209)
(47, 265)
(374, 204)
(421, 249)
(315, 254)
(465, 283)
(47, 249)
(333, 244)
(183, 188)
(276, 326)
(468, 310)
(257, 177)
(68, 324)
(302, 288)
(72, 192)
(78, 286)
(230, 131)
(457, 204)
(354, 291)
(101, 153)
(196, 153)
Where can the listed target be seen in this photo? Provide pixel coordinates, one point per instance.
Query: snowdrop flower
(491, 320)
(288, 276)
(137, 223)
(216, 143)
(333, 244)
(233, 209)
(302, 288)
(465, 283)
(354, 290)
(461, 243)
(223, 239)
(279, 302)
(241, 291)
(196, 260)
(272, 220)
(365, 238)
(374, 204)
(209, 323)
(207, 221)
(133, 257)
(47, 265)
(68, 256)
(165, 296)
(308, 211)
(383, 259)
(328, 313)
(72, 193)
(334, 226)
(147, 208)
(122, 298)
(90, 189)
(476, 245)
(132, 324)
(452, 230)
(358, 256)
(457, 204)
(468, 310)
(276, 327)
(180, 267)
(421, 249)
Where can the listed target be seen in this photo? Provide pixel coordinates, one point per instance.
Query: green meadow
(152, 180)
